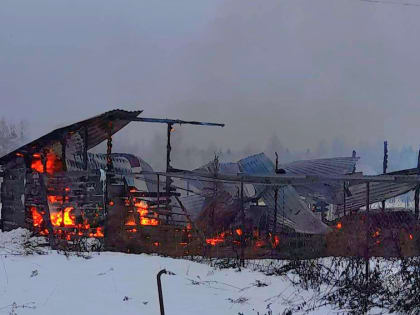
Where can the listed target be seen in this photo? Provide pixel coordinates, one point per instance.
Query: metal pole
(385, 166)
(159, 285)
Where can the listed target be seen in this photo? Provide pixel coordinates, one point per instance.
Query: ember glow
(276, 241)
(99, 233)
(145, 214)
(53, 163)
(216, 240)
(146, 217)
(69, 218)
(130, 221)
(36, 217)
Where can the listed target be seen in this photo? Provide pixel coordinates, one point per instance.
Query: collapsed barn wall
(13, 195)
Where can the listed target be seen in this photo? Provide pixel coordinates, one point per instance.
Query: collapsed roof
(95, 130)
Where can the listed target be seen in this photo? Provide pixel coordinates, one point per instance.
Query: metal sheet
(96, 132)
(325, 191)
(292, 211)
(193, 204)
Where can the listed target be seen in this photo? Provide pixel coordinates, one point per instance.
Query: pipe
(159, 285)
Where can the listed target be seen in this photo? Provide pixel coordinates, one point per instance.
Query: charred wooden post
(109, 165)
(63, 153)
(85, 149)
(367, 244)
(276, 196)
(109, 168)
(63, 158)
(168, 165)
(344, 198)
(44, 202)
(417, 191)
(158, 189)
(385, 166)
(242, 262)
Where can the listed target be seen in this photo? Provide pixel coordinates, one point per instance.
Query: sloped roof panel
(96, 128)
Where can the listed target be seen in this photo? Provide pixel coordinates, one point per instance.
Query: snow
(118, 283)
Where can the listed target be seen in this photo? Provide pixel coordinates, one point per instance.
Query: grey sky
(306, 70)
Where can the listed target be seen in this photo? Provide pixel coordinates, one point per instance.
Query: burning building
(55, 187)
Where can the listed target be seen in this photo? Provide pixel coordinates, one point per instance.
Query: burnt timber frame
(170, 123)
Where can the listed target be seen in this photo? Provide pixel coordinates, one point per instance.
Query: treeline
(12, 135)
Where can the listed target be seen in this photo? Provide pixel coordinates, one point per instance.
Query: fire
(55, 199)
(216, 240)
(69, 221)
(131, 221)
(142, 209)
(57, 217)
(53, 163)
(339, 225)
(238, 231)
(99, 233)
(411, 236)
(276, 241)
(37, 166)
(148, 221)
(36, 217)
(260, 243)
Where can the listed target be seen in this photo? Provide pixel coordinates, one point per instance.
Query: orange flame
(36, 165)
(339, 225)
(57, 217)
(36, 217)
(55, 199)
(99, 233)
(53, 164)
(238, 231)
(276, 241)
(216, 240)
(142, 209)
(130, 221)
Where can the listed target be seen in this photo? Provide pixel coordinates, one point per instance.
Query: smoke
(306, 79)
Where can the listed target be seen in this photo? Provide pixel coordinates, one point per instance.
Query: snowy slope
(116, 283)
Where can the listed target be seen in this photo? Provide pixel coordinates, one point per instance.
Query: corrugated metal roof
(332, 166)
(96, 132)
(193, 204)
(377, 192)
(292, 211)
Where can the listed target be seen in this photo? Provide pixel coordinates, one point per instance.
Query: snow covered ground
(117, 283)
